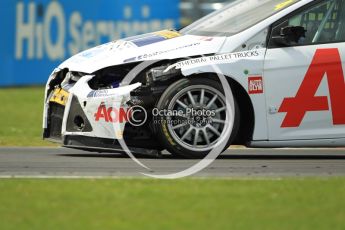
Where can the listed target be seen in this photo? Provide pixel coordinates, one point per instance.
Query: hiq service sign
(37, 35)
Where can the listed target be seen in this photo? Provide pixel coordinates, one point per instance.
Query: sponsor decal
(135, 115)
(168, 34)
(59, 96)
(255, 85)
(112, 115)
(326, 63)
(283, 5)
(98, 93)
(148, 39)
(157, 53)
(217, 58)
(106, 92)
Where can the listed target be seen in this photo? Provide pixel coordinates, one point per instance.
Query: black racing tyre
(190, 117)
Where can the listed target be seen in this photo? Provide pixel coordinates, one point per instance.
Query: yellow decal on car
(284, 4)
(168, 34)
(59, 96)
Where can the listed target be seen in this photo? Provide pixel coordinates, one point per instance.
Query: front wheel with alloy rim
(193, 115)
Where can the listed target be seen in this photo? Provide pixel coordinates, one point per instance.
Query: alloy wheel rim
(203, 118)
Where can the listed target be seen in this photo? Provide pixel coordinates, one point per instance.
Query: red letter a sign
(326, 62)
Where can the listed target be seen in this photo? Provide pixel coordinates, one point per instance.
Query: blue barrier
(38, 35)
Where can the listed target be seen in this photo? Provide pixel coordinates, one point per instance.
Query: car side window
(323, 23)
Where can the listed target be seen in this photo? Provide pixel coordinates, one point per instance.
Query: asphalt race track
(61, 162)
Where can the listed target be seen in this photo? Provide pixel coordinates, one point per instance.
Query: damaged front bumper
(77, 116)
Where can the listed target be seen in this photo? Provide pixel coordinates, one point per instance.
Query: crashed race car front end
(88, 105)
(80, 112)
(75, 114)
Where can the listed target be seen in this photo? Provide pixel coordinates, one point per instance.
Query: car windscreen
(236, 17)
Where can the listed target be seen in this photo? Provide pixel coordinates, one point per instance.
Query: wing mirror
(289, 35)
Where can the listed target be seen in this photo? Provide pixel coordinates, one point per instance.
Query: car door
(304, 79)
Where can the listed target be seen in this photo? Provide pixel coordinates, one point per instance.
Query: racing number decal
(325, 62)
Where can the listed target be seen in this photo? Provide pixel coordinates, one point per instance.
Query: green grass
(21, 117)
(182, 204)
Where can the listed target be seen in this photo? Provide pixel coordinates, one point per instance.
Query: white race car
(283, 64)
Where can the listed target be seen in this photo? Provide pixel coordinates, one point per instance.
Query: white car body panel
(115, 98)
(283, 78)
(253, 65)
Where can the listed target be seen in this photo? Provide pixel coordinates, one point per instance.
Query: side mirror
(289, 35)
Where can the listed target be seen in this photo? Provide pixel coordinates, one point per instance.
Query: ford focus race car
(261, 73)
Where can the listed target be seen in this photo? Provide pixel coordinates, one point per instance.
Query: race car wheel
(191, 115)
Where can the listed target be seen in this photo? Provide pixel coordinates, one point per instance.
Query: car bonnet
(159, 45)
